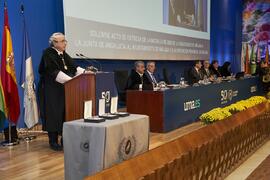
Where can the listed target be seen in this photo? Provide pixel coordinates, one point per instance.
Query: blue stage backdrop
(226, 32)
(43, 17)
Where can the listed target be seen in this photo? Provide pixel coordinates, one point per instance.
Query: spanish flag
(8, 75)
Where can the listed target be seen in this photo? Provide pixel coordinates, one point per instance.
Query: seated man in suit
(150, 70)
(195, 74)
(206, 71)
(137, 78)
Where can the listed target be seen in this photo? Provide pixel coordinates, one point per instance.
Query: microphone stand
(98, 63)
(91, 68)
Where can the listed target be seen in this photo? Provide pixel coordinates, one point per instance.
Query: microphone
(92, 67)
(98, 63)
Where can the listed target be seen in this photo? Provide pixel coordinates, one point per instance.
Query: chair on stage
(166, 76)
(186, 75)
(121, 78)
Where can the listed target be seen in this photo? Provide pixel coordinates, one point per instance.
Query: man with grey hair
(137, 78)
(56, 67)
(150, 70)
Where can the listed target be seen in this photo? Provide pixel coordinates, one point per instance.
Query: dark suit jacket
(204, 73)
(194, 76)
(134, 80)
(149, 77)
(216, 72)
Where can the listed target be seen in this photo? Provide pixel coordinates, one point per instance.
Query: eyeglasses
(63, 41)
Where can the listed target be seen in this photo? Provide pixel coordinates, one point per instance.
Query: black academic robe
(134, 80)
(194, 76)
(216, 72)
(51, 93)
(207, 74)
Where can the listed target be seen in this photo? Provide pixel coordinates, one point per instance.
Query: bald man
(56, 67)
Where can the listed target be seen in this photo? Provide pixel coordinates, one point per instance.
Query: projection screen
(138, 29)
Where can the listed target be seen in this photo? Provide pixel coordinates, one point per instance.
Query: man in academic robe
(150, 72)
(195, 74)
(137, 79)
(56, 68)
(206, 71)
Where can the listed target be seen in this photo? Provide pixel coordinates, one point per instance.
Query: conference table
(92, 147)
(171, 108)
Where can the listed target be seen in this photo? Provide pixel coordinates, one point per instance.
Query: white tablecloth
(92, 147)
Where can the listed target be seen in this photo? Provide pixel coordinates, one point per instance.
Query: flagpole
(27, 137)
(9, 143)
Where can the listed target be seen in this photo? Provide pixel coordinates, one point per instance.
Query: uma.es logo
(192, 105)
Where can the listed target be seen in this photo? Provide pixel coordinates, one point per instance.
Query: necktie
(153, 78)
(198, 72)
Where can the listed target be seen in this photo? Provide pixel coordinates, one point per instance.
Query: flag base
(29, 138)
(7, 143)
(11, 141)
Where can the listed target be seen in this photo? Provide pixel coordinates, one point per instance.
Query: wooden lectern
(87, 87)
(78, 90)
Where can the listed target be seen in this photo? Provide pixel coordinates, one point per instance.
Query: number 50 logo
(106, 95)
(226, 95)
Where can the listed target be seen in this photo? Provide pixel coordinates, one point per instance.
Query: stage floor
(35, 160)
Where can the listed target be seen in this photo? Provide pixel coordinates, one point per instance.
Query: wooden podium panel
(78, 90)
(149, 103)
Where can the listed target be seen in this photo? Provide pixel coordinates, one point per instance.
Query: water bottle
(182, 81)
(205, 80)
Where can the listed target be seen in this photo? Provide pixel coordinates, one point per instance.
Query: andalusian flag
(8, 75)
